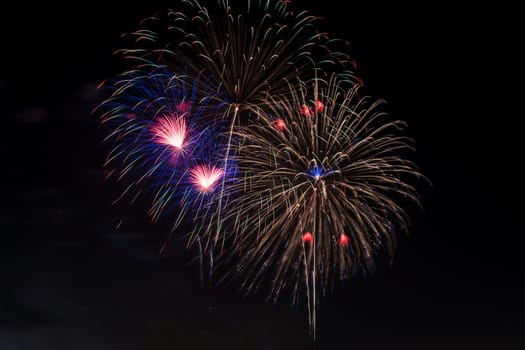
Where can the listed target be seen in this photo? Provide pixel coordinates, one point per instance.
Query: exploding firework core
(171, 130)
(205, 176)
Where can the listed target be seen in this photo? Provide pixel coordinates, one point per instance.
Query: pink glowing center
(205, 176)
(171, 130)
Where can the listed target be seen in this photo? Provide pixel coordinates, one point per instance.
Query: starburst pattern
(250, 125)
(319, 200)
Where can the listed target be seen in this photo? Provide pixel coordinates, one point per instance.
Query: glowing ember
(319, 106)
(280, 124)
(306, 110)
(308, 238)
(343, 240)
(183, 106)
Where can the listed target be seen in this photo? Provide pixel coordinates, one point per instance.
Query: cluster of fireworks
(246, 126)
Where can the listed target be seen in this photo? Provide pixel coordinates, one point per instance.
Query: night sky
(70, 280)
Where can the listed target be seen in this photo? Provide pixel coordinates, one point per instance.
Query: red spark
(205, 176)
(306, 110)
(280, 124)
(308, 238)
(343, 240)
(319, 106)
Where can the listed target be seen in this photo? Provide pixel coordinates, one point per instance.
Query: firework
(236, 55)
(248, 50)
(159, 144)
(249, 125)
(321, 198)
(171, 130)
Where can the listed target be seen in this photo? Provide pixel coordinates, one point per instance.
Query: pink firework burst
(171, 130)
(205, 176)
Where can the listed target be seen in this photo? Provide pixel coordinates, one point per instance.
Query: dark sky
(71, 281)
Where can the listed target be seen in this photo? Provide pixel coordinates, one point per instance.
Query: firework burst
(158, 140)
(171, 130)
(249, 125)
(246, 50)
(320, 199)
(204, 177)
(237, 54)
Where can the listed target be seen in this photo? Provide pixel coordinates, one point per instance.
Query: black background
(70, 280)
